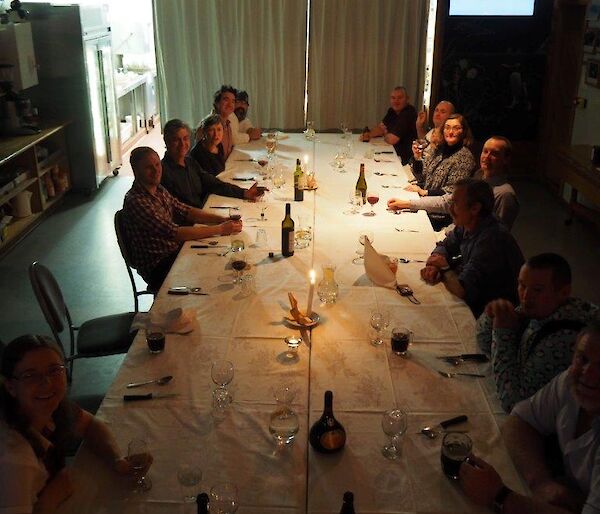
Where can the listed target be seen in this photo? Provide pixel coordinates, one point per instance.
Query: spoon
(433, 431)
(452, 375)
(381, 174)
(159, 381)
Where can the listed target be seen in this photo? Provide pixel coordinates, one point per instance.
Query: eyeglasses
(452, 129)
(36, 377)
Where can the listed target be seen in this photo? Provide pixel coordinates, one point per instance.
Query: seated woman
(37, 424)
(450, 161)
(208, 150)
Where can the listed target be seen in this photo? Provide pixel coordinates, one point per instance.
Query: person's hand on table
(254, 133)
(437, 260)
(255, 192)
(123, 467)
(230, 227)
(479, 481)
(416, 189)
(383, 127)
(503, 314)
(395, 204)
(431, 275)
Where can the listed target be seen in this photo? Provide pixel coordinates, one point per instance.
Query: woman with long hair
(208, 150)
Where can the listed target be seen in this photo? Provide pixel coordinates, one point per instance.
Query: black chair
(125, 253)
(108, 335)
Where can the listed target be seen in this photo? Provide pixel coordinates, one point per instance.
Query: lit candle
(311, 291)
(305, 163)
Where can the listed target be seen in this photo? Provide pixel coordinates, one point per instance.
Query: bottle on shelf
(327, 435)
(361, 183)
(287, 233)
(202, 503)
(298, 183)
(348, 503)
(366, 135)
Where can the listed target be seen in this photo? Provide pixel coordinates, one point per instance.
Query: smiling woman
(38, 424)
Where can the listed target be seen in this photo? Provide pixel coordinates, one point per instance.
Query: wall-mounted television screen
(492, 7)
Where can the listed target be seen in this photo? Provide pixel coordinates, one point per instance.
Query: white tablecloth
(249, 331)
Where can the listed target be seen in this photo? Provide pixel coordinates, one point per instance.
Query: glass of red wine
(372, 198)
(238, 263)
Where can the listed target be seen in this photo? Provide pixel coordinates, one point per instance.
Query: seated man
(153, 220)
(494, 162)
(440, 114)
(398, 125)
(479, 260)
(532, 343)
(183, 177)
(568, 408)
(245, 130)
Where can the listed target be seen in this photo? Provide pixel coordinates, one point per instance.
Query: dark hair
(478, 191)
(467, 133)
(207, 121)
(13, 353)
(561, 271)
(219, 93)
(593, 327)
(242, 96)
(507, 144)
(138, 155)
(172, 126)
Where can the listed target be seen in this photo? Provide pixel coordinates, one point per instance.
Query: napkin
(298, 316)
(377, 267)
(175, 321)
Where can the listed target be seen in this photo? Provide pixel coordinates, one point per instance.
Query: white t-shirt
(239, 138)
(22, 474)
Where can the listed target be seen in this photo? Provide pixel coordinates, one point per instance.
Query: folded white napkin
(175, 321)
(377, 267)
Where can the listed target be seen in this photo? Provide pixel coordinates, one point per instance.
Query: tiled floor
(78, 244)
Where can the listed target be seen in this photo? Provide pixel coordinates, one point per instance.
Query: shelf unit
(43, 159)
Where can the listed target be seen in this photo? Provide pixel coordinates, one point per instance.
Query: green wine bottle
(361, 183)
(298, 183)
(287, 233)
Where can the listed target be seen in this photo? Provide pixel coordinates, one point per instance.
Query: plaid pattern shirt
(150, 225)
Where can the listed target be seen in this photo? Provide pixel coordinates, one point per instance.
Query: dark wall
(493, 70)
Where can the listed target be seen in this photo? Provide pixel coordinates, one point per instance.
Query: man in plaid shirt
(156, 223)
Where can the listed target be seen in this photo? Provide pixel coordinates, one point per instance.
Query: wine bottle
(366, 135)
(361, 183)
(327, 435)
(202, 503)
(287, 233)
(348, 503)
(298, 183)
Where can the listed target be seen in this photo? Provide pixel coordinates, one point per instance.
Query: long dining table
(336, 355)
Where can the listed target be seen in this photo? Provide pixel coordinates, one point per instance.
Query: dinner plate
(293, 323)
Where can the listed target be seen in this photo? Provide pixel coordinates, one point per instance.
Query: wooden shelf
(49, 162)
(17, 228)
(14, 192)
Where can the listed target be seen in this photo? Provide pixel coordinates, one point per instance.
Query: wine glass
(283, 424)
(393, 423)
(271, 144)
(189, 476)
(239, 261)
(222, 374)
(139, 460)
(372, 198)
(223, 498)
(355, 201)
(380, 320)
(360, 250)
(292, 342)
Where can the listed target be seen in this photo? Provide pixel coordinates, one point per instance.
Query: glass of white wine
(271, 144)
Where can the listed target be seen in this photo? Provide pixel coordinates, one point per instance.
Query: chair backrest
(50, 299)
(124, 246)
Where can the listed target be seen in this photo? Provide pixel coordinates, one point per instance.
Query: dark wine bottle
(327, 435)
(287, 233)
(298, 183)
(366, 135)
(202, 503)
(361, 183)
(348, 504)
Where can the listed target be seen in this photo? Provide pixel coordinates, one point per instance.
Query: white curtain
(360, 50)
(255, 45)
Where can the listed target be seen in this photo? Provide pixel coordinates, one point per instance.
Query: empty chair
(97, 337)
(124, 247)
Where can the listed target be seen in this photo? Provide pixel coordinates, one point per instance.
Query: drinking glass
(372, 198)
(222, 374)
(271, 144)
(303, 232)
(456, 447)
(189, 476)
(247, 285)
(284, 424)
(237, 244)
(278, 176)
(401, 339)
(355, 201)
(292, 343)
(340, 157)
(360, 250)
(380, 320)
(139, 459)
(234, 214)
(223, 498)
(239, 261)
(309, 133)
(393, 423)
(261, 238)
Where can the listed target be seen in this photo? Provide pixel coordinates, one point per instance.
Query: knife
(242, 179)
(224, 207)
(475, 357)
(149, 396)
(386, 151)
(246, 160)
(209, 246)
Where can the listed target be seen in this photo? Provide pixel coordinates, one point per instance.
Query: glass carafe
(328, 288)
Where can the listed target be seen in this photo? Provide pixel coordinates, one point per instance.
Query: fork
(452, 375)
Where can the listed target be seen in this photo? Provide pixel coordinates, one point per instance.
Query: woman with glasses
(38, 424)
(208, 150)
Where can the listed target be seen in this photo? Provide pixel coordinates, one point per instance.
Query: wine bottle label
(333, 439)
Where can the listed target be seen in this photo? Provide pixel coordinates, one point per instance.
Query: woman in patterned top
(208, 150)
(38, 424)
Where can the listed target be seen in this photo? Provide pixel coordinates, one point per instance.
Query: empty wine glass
(380, 320)
(393, 423)
(283, 424)
(372, 198)
(360, 249)
(189, 476)
(222, 374)
(139, 460)
(223, 498)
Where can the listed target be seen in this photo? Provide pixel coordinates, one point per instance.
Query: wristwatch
(500, 499)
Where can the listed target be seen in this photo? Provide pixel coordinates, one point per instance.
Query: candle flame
(305, 158)
(313, 276)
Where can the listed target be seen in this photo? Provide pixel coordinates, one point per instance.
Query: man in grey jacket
(494, 163)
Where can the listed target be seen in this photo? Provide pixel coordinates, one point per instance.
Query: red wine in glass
(238, 265)
(372, 199)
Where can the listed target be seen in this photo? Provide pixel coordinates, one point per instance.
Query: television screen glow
(491, 7)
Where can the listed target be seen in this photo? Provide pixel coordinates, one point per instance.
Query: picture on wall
(591, 40)
(592, 72)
